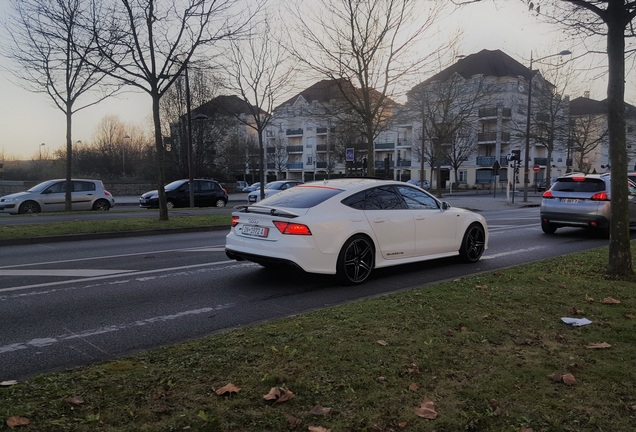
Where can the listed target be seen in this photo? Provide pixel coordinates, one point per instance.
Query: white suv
(50, 196)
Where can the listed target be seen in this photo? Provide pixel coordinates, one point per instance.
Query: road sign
(349, 154)
(536, 168)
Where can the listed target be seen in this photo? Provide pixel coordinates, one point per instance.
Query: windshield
(40, 187)
(174, 185)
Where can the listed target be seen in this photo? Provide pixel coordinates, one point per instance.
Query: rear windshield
(301, 197)
(578, 185)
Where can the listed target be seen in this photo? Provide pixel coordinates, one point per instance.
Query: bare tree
(446, 110)
(613, 20)
(368, 48)
(586, 134)
(44, 36)
(147, 44)
(259, 73)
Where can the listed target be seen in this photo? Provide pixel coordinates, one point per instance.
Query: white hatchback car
(348, 227)
(50, 196)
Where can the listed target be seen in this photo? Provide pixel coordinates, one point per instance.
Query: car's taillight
(235, 221)
(548, 194)
(107, 193)
(292, 228)
(224, 190)
(601, 196)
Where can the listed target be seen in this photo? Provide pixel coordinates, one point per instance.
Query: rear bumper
(575, 220)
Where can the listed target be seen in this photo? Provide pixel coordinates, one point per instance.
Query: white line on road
(514, 252)
(51, 340)
(62, 272)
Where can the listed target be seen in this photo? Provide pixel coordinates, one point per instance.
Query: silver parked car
(272, 188)
(50, 196)
(581, 200)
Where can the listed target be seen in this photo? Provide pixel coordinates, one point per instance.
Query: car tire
(170, 204)
(473, 243)
(356, 260)
(220, 203)
(101, 205)
(548, 228)
(29, 207)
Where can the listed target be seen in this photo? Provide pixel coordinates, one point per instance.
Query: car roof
(353, 183)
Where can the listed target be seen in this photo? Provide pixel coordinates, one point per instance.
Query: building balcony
(321, 165)
(404, 163)
(294, 149)
(294, 166)
(324, 130)
(384, 146)
(324, 148)
(294, 132)
(540, 161)
(491, 137)
(485, 113)
(402, 142)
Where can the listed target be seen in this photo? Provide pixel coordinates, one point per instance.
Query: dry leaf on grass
(318, 429)
(426, 409)
(293, 422)
(629, 316)
(412, 369)
(496, 410)
(414, 387)
(602, 345)
(75, 400)
(576, 311)
(228, 390)
(526, 429)
(321, 411)
(16, 421)
(610, 300)
(568, 379)
(279, 394)
(8, 383)
(481, 287)
(402, 424)
(589, 299)
(382, 342)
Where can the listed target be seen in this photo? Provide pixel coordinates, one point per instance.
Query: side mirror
(445, 205)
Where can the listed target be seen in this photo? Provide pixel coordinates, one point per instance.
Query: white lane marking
(513, 252)
(51, 340)
(131, 275)
(101, 257)
(62, 272)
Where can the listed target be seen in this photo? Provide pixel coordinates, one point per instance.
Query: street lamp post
(189, 120)
(41, 145)
(526, 177)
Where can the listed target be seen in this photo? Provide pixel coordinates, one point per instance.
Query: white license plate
(254, 231)
(570, 200)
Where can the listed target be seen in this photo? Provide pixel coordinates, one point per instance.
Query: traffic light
(515, 155)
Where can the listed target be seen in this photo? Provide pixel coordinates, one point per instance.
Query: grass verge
(490, 352)
(8, 232)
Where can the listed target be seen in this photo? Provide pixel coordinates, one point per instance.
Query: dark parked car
(207, 193)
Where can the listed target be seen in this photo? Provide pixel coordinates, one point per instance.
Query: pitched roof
(224, 105)
(486, 62)
(587, 106)
(325, 91)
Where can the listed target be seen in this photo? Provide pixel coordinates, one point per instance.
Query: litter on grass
(576, 322)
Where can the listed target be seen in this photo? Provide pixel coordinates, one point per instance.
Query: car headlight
(13, 199)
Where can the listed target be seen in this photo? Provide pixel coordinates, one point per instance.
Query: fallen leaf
(17, 421)
(8, 383)
(402, 424)
(426, 409)
(481, 287)
(576, 311)
(293, 422)
(556, 377)
(318, 429)
(228, 389)
(610, 300)
(568, 379)
(414, 387)
(279, 395)
(589, 299)
(274, 393)
(526, 429)
(75, 400)
(602, 345)
(629, 316)
(382, 342)
(542, 279)
(496, 410)
(322, 411)
(412, 369)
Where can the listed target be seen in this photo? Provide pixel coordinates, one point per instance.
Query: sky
(28, 120)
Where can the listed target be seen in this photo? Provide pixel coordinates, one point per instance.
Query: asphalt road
(66, 304)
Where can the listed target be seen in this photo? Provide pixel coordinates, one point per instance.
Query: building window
(462, 176)
(310, 160)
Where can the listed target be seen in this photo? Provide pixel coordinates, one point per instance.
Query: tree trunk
(69, 158)
(620, 256)
(163, 209)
